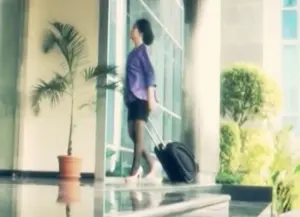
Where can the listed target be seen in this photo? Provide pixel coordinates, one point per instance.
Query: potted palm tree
(71, 45)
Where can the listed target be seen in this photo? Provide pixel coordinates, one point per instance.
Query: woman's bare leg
(132, 126)
(138, 146)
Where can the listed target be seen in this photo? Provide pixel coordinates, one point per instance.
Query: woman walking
(139, 94)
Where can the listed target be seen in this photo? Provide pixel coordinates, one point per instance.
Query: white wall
(251, 32)
(43, 138)
(242, 32)
(272, 38)
(272, 45)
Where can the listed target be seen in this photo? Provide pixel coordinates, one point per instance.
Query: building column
(101, 111)
(11, 30)
(201, 88)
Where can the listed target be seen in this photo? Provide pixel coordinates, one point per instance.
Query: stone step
(235, 209)
(220, 210)
(203, 202)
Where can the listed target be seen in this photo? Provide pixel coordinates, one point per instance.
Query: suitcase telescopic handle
(150, 123)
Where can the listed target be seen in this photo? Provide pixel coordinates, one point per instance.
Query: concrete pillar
(201, 117)
(11, 27)
(101, 94)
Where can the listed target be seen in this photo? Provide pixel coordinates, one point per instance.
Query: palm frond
(49, 41)
(72, 39)
(90, 104)
(100, 72)
(114, 85)
(107, 77)
(52, 90)
(68, 40)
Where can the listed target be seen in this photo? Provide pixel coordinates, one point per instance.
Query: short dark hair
(144, 27)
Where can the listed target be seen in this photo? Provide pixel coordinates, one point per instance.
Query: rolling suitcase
(176, 159)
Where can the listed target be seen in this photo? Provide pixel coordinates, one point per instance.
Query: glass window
(290, 65)
(289, 3)
(122, 165)
(290, 100)
(154, 5)
(289, 25)
(290, 77)
(176, 129)
(110, 95)
(126, 141)
(177, 78)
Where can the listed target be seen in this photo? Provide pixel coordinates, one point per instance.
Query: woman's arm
(151, 98)
(149, 78)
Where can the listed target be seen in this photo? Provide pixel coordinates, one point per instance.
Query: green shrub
(254, 179)
(228, 179)
(285, 175)
(267, 160)
(247, 93)
(286, 190)
(230, 145)
(257, 156)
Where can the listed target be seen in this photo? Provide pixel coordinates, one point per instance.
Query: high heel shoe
(136, 177)
(154, 176)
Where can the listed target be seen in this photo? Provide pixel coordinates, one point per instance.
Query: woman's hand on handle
(151, 99)
(152, 105)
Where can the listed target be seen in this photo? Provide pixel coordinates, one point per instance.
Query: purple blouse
(139, 75)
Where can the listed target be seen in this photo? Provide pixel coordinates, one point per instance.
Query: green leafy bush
(257, 156)
(230, 145)
(285, 174)
(247, 93)
(228, 178)
(286, 189)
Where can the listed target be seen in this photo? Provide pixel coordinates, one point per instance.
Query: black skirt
(138, 110)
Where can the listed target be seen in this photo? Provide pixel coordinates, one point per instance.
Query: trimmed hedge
(228, 179)
(230, 145)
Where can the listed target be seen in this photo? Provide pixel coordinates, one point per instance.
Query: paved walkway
(291, 214)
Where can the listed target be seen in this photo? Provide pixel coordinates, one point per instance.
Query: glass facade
(166, 55)
(290, 64)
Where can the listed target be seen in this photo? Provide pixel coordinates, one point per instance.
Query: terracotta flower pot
(69, 167)
(69, 191)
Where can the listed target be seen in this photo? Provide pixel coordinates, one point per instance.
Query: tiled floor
(50, 198)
